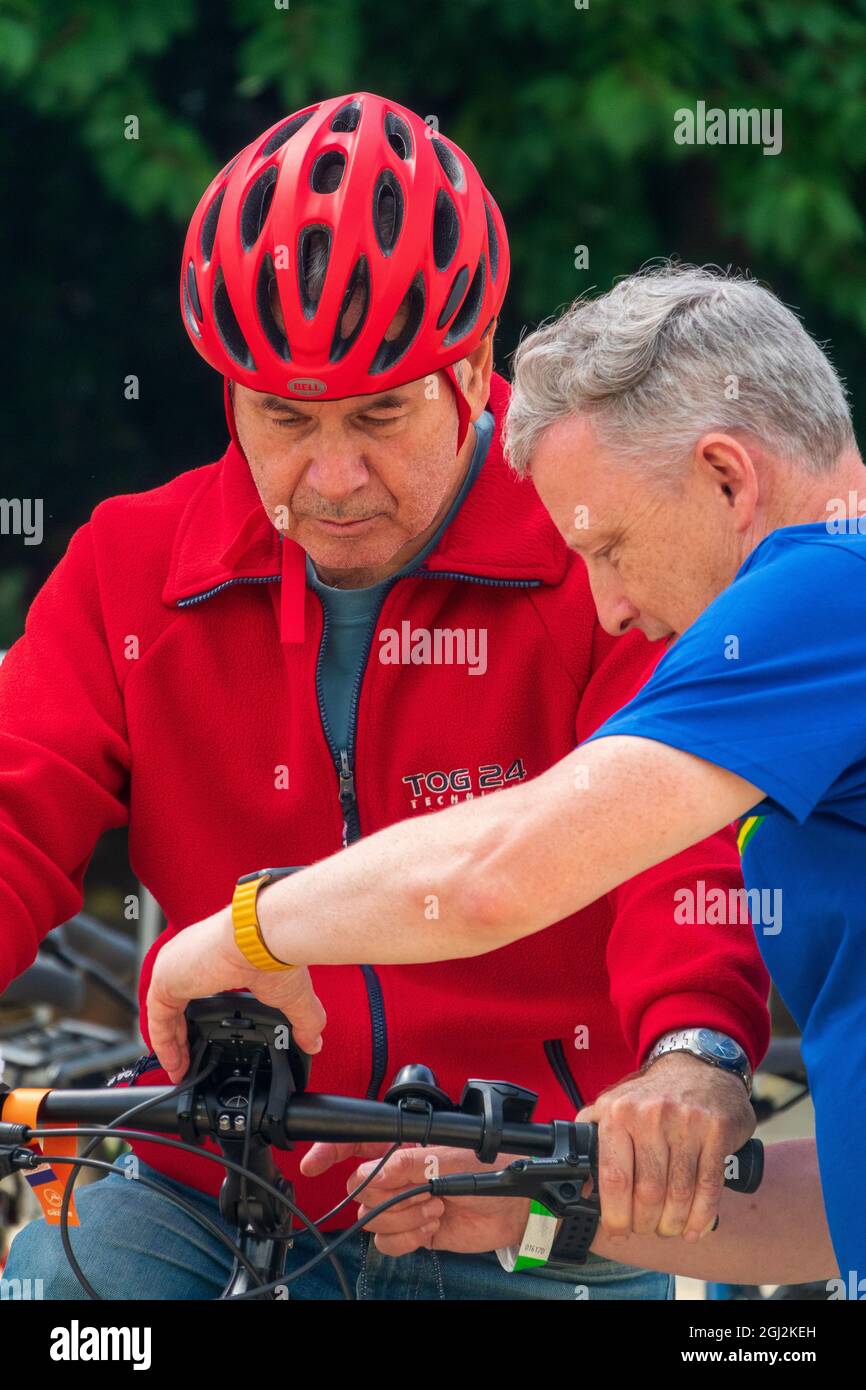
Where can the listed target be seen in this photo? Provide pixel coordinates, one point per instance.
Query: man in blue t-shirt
(694, 445)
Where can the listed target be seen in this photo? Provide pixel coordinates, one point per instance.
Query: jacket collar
(501, 531)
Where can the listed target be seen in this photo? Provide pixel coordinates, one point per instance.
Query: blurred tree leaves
(568, 113)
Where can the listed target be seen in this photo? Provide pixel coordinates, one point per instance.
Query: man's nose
(336, 473)
(616, 612)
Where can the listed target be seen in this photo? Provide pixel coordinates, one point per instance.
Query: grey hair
(673, 352)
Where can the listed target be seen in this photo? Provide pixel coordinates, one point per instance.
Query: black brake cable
(182, 1147)
(353, 1195)
(398, 1144)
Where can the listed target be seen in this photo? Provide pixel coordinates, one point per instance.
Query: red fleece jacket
(151, 687)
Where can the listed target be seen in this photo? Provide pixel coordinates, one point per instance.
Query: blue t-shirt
(351, 612)
(770, 683)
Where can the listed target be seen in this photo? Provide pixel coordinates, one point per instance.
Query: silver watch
(710, 1046)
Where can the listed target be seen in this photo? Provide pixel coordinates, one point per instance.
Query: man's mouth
(345, 528)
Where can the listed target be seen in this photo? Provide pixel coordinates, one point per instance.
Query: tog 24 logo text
(435, 789)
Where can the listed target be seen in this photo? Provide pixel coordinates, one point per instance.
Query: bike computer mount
(249, 1067)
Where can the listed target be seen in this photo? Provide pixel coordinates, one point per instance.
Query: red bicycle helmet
(348, 249)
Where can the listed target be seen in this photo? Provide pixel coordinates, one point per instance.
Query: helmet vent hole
(446, 230)
(209, 225)
(402, 330)
(328, 172)
(285, 132)
(353, 311)
(255, 206)
(188, 313)
(270, 310)
(398, 135)
(455, 296)
(492, 241)
(192, 290)
(467, 316)
(450, 163)
(228, 327)
(347, 118)
(314, 249)
(387, 211)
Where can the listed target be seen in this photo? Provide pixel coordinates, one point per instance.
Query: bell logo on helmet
(306, 386)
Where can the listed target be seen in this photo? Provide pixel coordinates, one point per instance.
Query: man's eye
(284, 420)
(378, 419)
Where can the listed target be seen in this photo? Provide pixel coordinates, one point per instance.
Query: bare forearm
(778, 1235)
(480, 875)
(414, 892)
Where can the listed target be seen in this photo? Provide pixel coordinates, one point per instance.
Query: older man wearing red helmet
(355, 616)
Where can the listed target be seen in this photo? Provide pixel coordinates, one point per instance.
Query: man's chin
(343, 551)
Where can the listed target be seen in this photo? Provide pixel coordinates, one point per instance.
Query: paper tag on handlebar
(21, 1106)
(48, 1184)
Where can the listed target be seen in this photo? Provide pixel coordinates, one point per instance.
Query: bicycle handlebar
(343, 1120)
(246, 1090)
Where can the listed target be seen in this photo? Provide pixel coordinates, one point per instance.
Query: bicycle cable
(338, 1241)
(74, 1171)
(180, 1145)
(179, 1201)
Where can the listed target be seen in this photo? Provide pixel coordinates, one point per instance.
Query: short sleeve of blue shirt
(770, 681)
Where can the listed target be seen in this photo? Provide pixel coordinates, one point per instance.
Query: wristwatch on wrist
(248, 932)
(710, 1046)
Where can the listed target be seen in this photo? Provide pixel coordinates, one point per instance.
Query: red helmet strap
(230, 413)
(464, 410)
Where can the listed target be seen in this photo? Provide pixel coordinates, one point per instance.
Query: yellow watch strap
(248, 932)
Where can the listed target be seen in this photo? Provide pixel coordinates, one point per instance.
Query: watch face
(718, 1045)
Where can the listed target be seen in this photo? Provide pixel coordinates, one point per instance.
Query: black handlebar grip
(749, 1169)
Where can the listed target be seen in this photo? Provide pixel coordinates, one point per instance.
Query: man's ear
(474, 373)
(729, 464)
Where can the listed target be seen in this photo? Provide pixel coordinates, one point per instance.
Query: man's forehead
(379, 400)
(565, 460)
(574, 479)
(564, 453)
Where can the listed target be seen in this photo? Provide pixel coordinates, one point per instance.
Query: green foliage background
(568, 114)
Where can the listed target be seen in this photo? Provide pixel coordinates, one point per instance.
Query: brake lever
(557, 1182)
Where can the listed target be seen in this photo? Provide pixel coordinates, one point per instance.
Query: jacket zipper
(344, 760)
(209, 593)
(475, 579)
(555, 1054)
(344, 763)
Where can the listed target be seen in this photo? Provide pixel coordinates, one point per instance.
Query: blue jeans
(134, 1244)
